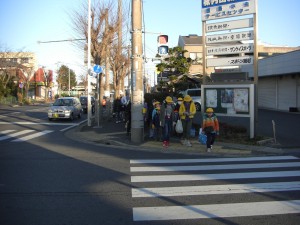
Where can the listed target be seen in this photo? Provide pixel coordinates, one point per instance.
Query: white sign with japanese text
(239, 8)
(230, 49)
(240, 36)
(229, 25)
(230, 61)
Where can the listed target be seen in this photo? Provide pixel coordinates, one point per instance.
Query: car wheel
(71, 117)
(198, 106)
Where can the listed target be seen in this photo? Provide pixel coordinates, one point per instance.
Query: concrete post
(137, 121)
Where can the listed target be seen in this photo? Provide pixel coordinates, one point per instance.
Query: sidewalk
(111, 134)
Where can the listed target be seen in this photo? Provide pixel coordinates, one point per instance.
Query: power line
(74, 39)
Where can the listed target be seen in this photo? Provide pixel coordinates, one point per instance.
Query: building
(22, 67)
(278, 81)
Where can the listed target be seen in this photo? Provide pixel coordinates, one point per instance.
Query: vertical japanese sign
(226, 37)
(221, 9)
(218, 9)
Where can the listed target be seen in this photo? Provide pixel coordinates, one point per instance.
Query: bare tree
(105, 27)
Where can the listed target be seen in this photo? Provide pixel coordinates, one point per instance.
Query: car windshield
(63, 102)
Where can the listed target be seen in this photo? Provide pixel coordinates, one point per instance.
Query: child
(166, 120)
(210, 126)
(156, 121)
(187, 112)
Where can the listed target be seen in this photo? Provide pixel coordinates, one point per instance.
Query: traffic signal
(162, 41)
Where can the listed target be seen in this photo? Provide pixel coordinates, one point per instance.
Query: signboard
(229, 25)
(207, 3)
(240, 36)
(230, 49)
(98, 69)
(227, 69)
(227, 9)
(230, 61)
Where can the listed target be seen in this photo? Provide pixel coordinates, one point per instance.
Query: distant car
(83, 101)
(195, 94)
(65, 108)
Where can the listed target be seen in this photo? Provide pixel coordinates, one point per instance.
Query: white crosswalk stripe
(9, 134)
(171, 178)
(26, 138)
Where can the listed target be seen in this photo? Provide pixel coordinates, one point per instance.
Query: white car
(65, 108)
(195, 94)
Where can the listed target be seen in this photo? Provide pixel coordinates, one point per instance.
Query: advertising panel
(230, 61)
(229, 25)
(225, 9)
(231, 49)
(238, 36)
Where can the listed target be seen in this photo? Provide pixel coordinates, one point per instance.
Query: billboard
(224, 9)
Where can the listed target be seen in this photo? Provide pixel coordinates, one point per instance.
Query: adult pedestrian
(117, 109)
(151, 108)
(128, 117)
(210, 126)
(166, 120)
(187, 112)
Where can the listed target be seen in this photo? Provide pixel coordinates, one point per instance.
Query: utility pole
(137, 122)
(89, 114)
(107, 63)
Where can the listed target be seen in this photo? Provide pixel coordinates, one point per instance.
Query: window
(196, 57)
(25, 60)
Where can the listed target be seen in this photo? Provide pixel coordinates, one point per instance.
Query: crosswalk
(21, 136)
(163, 188)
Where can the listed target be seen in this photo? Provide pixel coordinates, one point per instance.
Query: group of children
(166, 114)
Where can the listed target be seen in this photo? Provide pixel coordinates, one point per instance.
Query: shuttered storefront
(279, 92)
(267, 92)
(287, 92)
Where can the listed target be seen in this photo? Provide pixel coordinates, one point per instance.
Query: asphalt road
(50, 179)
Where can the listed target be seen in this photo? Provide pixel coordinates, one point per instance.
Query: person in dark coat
(117, 109)
(128, 117)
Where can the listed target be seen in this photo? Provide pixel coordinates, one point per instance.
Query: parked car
(83, 101)
(65, 108)
(195, 94)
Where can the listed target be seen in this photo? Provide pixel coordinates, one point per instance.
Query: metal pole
(98, 98)
(203, 63)
(255, 69)
(137, 123)
(89, 65)
(69, 82)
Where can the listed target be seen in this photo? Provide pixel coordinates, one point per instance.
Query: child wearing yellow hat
(166, 120)
(187, 112)
(210, 126)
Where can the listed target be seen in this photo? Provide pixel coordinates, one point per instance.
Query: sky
(25, 22)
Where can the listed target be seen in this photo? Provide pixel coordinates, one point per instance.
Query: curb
(220, 148)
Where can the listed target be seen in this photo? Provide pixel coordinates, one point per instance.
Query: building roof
(284, 64)
(192, 39)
